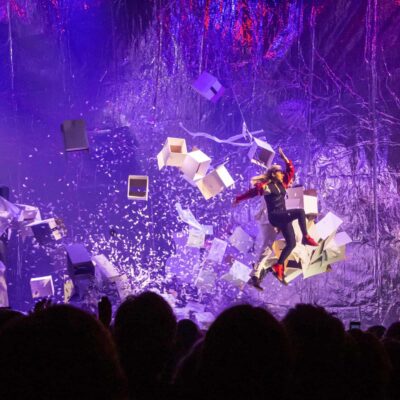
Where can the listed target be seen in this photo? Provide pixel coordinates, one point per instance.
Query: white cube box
(310, 204)
(195, 165)
(173, 153)
(105, 267)
(297, 197)
(209, 87)
(204, 319)
(206, 280)
(46, 231)
(138, 187)
(261, 153)
(215, 182)
(318, 267)
(196, 238)
(42, 286)
(339, 240)
(75, 135)
(294, 197)
(28, 213)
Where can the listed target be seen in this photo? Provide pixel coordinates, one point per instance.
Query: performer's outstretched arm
(257, 190)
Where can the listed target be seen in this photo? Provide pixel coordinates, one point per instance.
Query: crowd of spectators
(62, 352)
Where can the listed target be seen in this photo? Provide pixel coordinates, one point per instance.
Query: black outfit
(281, 218)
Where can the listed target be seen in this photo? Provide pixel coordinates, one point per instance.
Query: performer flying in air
(272, 185)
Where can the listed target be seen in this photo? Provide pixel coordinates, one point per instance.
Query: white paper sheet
(196, 238)
(241, 240)
(326, 226)
(188, 217)
(340, 239)
(240, 272)
(217, 250)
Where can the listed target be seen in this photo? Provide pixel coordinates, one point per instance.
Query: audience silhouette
(144, 329)
(61, 352)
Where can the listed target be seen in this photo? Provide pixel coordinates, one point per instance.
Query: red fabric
(258, 189)
(289, 174)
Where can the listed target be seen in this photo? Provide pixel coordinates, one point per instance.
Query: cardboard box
(209, 87)
(138, 187)
(105, 267)
(75, 135)
(42, 286)
(215, 182)
(261, 153)
(173, 153)
(195, 165)
(46, 231)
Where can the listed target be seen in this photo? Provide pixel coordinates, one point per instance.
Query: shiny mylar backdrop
(322, 78)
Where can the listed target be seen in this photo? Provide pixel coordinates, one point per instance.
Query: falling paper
(241, 240)
(208, 229)
(341, 239)
(206, 280)
(292, 273)
(196, 238)
(187, 217)
(326, 226)
(240, 271)
(318, 267)
(217, 250)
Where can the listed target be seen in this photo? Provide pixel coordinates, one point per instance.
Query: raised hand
(282, 154)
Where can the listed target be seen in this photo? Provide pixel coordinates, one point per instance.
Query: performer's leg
(288, 216)
(288, 234)
(268, 235)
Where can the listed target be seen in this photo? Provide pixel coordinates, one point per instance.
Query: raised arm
(289, 174)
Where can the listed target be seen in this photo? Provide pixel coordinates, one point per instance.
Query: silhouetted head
(144, 329)
(372, 367)
(7, 315)
(319, 342)
(392, 348)
(187, 334)
(245, 355)
(377, 330)
(393, 331)
(59, 353)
